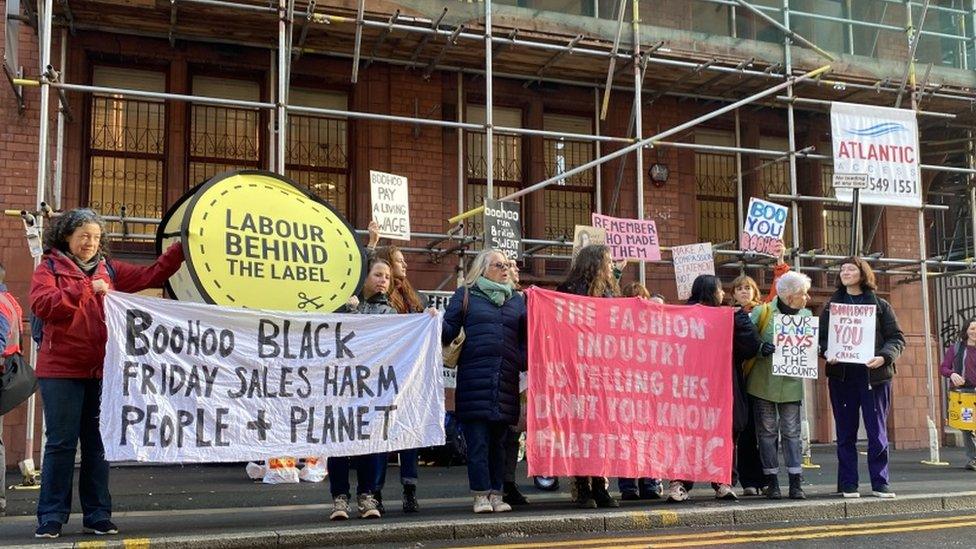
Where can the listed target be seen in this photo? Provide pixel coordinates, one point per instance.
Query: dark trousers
(486, 455)
(847, 399)
(408, 468)
(747, 458)
(338, 469)
(71, 408)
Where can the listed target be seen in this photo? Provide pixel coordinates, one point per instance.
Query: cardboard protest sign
(254, 239)
(503, 227)
(851, 332)
(878, 146)
(689, 262)
(795, 338)
(764, 226)
(634, 239)
(185, 382)
(586, 235)
(628, 388)
(390, 204)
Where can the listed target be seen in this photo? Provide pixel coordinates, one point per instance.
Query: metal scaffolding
(784, 81)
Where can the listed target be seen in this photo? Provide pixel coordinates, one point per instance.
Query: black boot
(410, 504)
(378, 496)
(772, 492)
(602, 495)
(796, 490)
(584, 495)
(512, 495)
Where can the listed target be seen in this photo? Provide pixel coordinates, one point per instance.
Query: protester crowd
(69, 285)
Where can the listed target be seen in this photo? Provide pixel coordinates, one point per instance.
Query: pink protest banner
(630, 238)
(628, 388)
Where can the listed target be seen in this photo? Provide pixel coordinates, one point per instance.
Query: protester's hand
(374, 234)
(352, 302)
(620, 265)
(957, 380)
(831, 360)
(876, 362)
(780, 250)
(767, 349)
(431, 311)
(99, 286)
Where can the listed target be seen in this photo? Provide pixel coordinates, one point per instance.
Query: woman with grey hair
(777, 398)
(492, 315)
(66, 294)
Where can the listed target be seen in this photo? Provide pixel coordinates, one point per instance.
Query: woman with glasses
(492, 315)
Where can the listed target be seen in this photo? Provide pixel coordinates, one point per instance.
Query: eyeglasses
(499, 266)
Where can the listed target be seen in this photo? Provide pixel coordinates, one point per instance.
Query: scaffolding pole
(650, 140)
(638, 123)
(55, 197)
(489, 107)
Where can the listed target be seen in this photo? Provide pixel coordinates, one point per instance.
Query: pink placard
(634, 239)
(628, 388)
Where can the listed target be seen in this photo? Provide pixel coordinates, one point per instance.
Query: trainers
(482, 505)
(724, 491)
(677, 491)
(102, 528)
(49, 529)
(498, 504)
(750, 491)
(340, 508)
(367, 506)
(971, 465)
(883, 491)
(850, 492)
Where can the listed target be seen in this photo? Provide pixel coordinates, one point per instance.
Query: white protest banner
(851, 332)
(689, 262)
(763, 229)
(198, 383)
(881, 144)
(390, 204)
(634, 239)
(796, 343)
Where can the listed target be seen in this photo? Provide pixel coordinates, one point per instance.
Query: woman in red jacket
(66, 293)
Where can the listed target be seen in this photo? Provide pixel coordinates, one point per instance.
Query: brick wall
(427, 156)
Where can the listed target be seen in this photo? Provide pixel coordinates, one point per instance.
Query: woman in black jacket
(707, 290)
(592, 274)
(864, 387)
(492, 315)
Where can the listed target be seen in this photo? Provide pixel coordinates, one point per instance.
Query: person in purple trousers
(864, 388)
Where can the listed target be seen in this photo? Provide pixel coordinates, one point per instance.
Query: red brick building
(550, 60)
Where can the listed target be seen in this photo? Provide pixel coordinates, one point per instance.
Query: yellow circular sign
(253, 239)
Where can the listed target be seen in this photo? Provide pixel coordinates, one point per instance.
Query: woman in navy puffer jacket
(493, 317)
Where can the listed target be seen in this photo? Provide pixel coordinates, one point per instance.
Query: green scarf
(497, 293)
(86, 267)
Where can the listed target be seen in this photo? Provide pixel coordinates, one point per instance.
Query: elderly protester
(864, 387)
(66, 294)
(777, 398)
(493, 317)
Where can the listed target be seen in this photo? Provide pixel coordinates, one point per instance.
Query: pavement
(216, 506)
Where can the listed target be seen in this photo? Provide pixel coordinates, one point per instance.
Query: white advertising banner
(186, 382)
(879, 144)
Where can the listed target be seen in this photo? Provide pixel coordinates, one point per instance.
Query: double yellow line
(732, 537)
